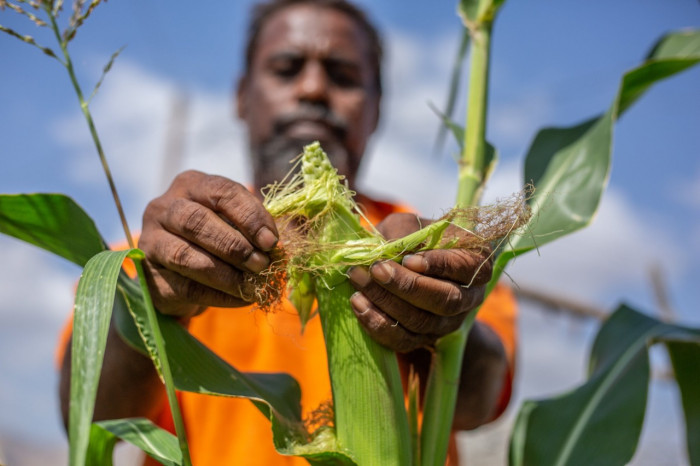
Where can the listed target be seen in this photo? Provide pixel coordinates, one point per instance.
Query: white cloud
(33, 283)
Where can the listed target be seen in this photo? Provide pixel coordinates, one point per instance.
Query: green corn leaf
(159, 444)
(685, 358)
(570, 167)
(93, 309)
(600, 421)
(53, 222)
(101, 447)
(56, 223)
(197, 369)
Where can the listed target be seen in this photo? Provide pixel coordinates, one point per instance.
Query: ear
(241, 101)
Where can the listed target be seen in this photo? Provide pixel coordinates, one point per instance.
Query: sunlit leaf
(53, 222)
(570, 166)
(158, 443)
(93, 309)
(600, 421)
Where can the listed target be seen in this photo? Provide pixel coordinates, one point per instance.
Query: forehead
(313, 30)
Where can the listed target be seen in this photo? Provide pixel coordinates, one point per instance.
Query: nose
(313, 83)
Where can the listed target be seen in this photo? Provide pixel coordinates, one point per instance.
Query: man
(312, 73)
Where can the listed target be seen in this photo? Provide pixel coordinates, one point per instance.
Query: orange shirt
(229, 431)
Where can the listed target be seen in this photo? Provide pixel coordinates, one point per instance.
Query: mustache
(315, 113)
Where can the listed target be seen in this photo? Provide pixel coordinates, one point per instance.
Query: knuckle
(249, 217)
(381, 298)
(418, 322)
(185, 178)
(191, 291)
(449, 324)
(182, 256)
(193, 218)
(436, 262)
(224, 192)
(236, 247)
(407, 283)
(478, 266)
(454, 300)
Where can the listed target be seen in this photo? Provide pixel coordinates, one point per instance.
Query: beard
(272, 159)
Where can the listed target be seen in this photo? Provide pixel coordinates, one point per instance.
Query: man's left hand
(410, 305)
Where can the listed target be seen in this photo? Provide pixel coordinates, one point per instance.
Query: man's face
(311, 78)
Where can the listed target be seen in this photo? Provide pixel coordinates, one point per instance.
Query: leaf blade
(93, 309)
(53, 222)
(157, 443)
(570, 166)
(600, 421)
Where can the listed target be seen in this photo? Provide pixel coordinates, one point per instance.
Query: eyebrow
(295, 55)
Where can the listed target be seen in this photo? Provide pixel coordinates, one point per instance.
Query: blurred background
(167, 106)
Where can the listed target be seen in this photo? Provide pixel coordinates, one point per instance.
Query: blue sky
(554, 63)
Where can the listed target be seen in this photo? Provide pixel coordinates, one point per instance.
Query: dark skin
(206, 231)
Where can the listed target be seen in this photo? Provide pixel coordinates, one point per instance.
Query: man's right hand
(200, 237)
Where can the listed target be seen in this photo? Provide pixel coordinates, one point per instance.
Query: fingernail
(382, 271)
(256, 262)
(266, 239)
(359, 276)
(359, 301)
(415, 262)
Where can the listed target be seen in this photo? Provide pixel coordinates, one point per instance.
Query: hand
(410, 305)
(200, 237)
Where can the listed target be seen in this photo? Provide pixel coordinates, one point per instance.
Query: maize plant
(324, 237)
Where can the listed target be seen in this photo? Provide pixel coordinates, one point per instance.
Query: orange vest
(231, 431)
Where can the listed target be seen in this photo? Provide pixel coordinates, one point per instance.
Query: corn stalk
(474, 168)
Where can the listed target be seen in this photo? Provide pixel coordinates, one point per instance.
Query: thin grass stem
(91, 124)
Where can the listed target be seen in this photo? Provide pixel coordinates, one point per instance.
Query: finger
(240, 207)
(383, 329)
(442, 297)
(179, 296)
(203, 227)
(409, 316)
(189, 261)
(398, 225)
(467, 267)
